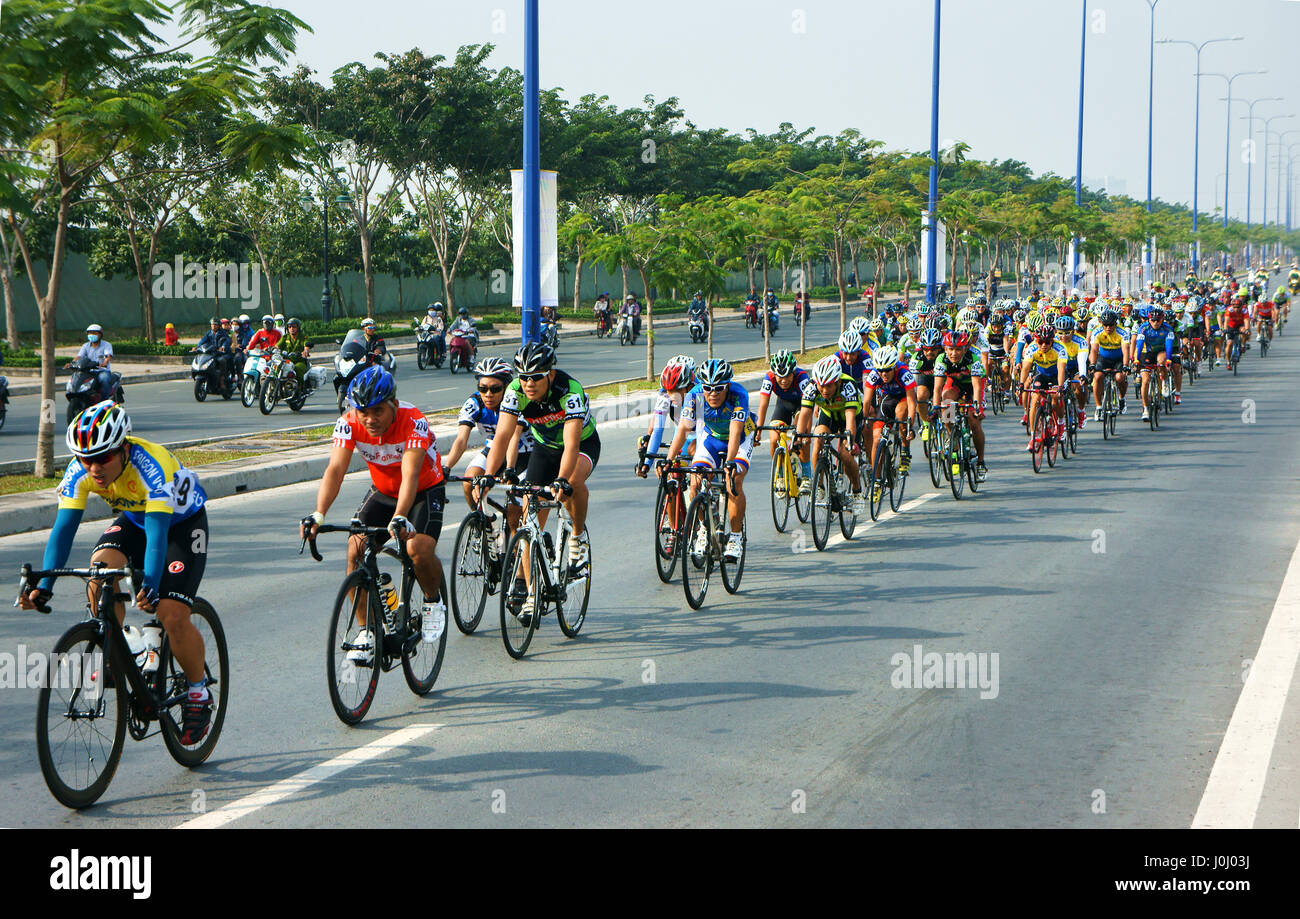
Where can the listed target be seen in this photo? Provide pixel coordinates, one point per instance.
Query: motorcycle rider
(632, 308)
(267, 337)
(297, 349)
(100, 353)
(244, 333)
(601, 310)
(376, 349)
(435, 323)
(464, 327)
(219, 340)
(698, 309)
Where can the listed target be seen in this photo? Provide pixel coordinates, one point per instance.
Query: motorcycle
(4, 400)
(206, 372)
(625, 330)
(83, 388)
(696, 326)
(463, 348)
(427, 352)
(751, 314)
(278, 381)
(773, 320)
(350, 361)
(550, 335)
(250, 387)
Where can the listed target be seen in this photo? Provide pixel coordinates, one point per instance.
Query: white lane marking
(1232, 795)
(838, 538)
(294, 784)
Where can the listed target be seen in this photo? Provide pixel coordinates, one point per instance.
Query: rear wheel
(352, 683)
(422, 660)
(80, 724)
(899, 479)
(821, 505)
(669, 496)
(216, 670)
(697, 566)
(1039, 435)
(955, 463)
(935, 457)
(780, 490)
(469, 558)
(1049, 440)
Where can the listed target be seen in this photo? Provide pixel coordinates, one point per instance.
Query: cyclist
(600, 310)
(482, 410)
(852, 357)
(1075, 344)
(1108, 350)
(959, 377)
(785, 381)
(1152, 346)
(889, 391)
(830, 407)
(161, 527)
(676, 379)
(1264, 313)
(1236, 322)
(1044, 360)
(407, 493)
(717, 409)
(922, 368)
(566, 447)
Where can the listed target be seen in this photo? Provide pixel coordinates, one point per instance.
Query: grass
(17, 484)
(191, 457)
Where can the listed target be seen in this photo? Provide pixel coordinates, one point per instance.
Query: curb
(30, 511)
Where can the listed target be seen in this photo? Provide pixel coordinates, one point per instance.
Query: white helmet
(859, 325)
(850, 341)
(885, 357)
(243, 317)
(826, 370)
(965, 315)
(279, 318)
(96, 430)
(95, 327)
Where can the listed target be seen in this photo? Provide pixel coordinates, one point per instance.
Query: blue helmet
(713, 372)
(372, 386)
(931, 338)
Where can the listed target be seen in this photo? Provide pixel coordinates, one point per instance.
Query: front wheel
(80, 724)
(269, 396)
(248, 391)
(821, 505)
(881, 479)
(517, 627)
(569, 612)
(734, 569)
(955, 462)
(697, 551)
(200, 389)
(422, 660)
(175, 686)
(468, 573)
(355, 627)
(780, 490)
(421, 356)
(669, 497)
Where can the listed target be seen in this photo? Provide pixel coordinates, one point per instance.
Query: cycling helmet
(931, 338)
(1045, 335)
(372, 386)
(923, 309)
(970, 301)
(98, 429)
(1019, 316)
(877, 325)
(494, 367)
(687, 364)
(860, 325)
(956, 339)
(885, 357)
(673, 378)
(965, 315)
(716, 371)
(997, 323)
(970, 327)
(1067, 310)
(941, 322)
(534, 357)
(1034, 322)
(915, 324)
(1109, 317)
(1155, 313)
(783, 362)
(850, 341)
(1064, 324)
(827, 370)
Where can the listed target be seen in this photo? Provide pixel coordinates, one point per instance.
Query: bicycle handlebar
(354, 528)
(28, 578)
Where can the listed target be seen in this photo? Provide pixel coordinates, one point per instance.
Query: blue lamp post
(932, 238)
(532, 242)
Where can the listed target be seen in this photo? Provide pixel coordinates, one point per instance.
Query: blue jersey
(792, 395)
(716, 422)
(1149, 339)
(853, 363)
(475, 414)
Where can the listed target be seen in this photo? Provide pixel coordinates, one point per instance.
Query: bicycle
(957, 449)
(95, 691)
(1044, 433)
(887, 472)
(830, 493)
(1234, 350)
(541, 573)
(1070, 440)
(705, 537)
(367, 601)
(669, 505)
(476, 561)
(1109, 403)
(998, 375)
(1265, 340)
(787, 479)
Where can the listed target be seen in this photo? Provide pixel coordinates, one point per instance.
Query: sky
(1009, 82)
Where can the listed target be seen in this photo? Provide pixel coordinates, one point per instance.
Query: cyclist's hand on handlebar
(561, 489)
(35, 598)
(147, 599)
(308, 526)
(400, 527)
(641, 470)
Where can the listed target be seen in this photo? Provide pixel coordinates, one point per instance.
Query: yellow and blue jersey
(1045, 359)
(152, 481)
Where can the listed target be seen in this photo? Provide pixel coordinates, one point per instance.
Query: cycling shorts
(1108, 363)
(187, 553)
(377, 508)
(712, 451)
(544, 462)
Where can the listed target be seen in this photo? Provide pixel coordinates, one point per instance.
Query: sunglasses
(99, 459)
(716, 387)
(531, 377)
(492, 389)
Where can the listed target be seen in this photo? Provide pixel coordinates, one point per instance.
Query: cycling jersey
(902, 383)
(667, 408)
(475, 414)
(922, 366)
(564, 399)
(846, 398)
(1234, 317)
(962, 371)
(1045, 358)
(853, 364)
(409, 431)
(1264, 310)
(1110, 343)
(1150, 339)
(771, 387)
(716, 422)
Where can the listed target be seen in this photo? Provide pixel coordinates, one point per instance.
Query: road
(168, 411)
(1122, 592)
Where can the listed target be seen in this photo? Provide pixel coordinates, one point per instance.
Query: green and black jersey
(564, 399)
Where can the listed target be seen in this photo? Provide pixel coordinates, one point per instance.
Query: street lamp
(1267, 122)
(1250, 160)
(1151, 85)
(1227, 142)
(1078, 163)
(932, 238)
(343, 199)
(1196, 142)
(1280, 146)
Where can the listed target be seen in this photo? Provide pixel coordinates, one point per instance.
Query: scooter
(250, 388)
(696, 326)
(83, 388)
(206, 372)
(350, 361)
(463, 350)
(751, 314)
(427, 351)
(773, 320)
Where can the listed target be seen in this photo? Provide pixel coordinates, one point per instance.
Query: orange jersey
(409, 431)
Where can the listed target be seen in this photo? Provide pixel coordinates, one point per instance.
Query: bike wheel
(848, 519)
(898, 479)
(954, 463)
(1040, 439)
(732, 571)
(421, 357)
(881, 473)
(669, 497)
(802, 502)
(696, 567)
(469, 573)
(972, 471)
(1049, 442)
(1106, 395)
(80, 725)
(517, 629)
(934, 457)
(352, 683)
(248, 392)
(269, 395)
(569, 613)
(780, 490)
(821, 505)
(173, 685)
(422, 660)
(200, 389)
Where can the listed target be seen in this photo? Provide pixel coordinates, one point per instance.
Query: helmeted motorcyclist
(296, 348)
(698, 309)
(218, 340)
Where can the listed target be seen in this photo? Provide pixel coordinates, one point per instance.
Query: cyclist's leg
(576, 503)
(422, 547)
(187, 553)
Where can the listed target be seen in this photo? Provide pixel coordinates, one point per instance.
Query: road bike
(476, 560)
(830, 492)
(670, 505)
(956, 448)
(1109, 403)
(377, 620)
(542, 578)
(705, 536)
(95, 690)
(1044, 431)
(787, 479)
(887, 472)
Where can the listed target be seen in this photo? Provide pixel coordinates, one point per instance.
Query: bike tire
(1039, 434)
(880, 479)
(821, 499)
(972, 472)
(899, 482)
(77, 778)
(354, 595)
(200, 390)
(848, 519)
(469, 573)
(665, 561)
(1049, 443)
(693, 570)
(516, 632)
(174, 683)
(934, 458)
(248, 391)
(954, 465)
(421, 358)
(269, 395)
(421, 660)
(733, 571)
(571, 621)
(780, 490)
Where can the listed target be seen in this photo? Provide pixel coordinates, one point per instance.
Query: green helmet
(782, 362)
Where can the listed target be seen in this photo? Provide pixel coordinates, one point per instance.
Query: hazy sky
(1009, 84)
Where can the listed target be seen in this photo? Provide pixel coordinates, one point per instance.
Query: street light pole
(1151, 86)
(1280, 147)
(1196, 142)
(932, 239)
(530, 318)
(1227, 142)
(1250, 159)
(1267, 122)
(326, 312)
(1078, 163)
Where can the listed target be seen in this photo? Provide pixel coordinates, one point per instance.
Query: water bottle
(432, 621)
(135, 644)
(387, 595)
(152, 633)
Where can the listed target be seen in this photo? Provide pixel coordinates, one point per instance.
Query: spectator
(169, 335)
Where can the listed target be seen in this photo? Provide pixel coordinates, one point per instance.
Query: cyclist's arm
(572, 447)
(1060, 371)
(506, 426)
(59, 546)
(762, 407)
(851, 422)
(735, 437)
(512, 452)
(684, 428)
(458, 446)
(332, 478)
(156, 525)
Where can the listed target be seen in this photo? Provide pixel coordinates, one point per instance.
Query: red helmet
(671, 378)
(955, 339)
(1067, 310)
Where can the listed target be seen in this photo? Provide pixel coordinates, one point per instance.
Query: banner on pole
(940, 261)
(550, 282)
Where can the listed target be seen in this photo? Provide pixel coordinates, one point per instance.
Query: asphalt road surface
(168, 411)
(1123, 594)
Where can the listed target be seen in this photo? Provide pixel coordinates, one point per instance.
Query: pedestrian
(169, 335)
